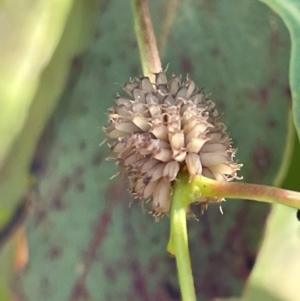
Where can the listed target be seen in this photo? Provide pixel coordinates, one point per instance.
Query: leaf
(28, 39)
(283, 228)
(30, 111)
(281, 245)
(6, 263)
(14, 174)
(84, 241)
(289, 11)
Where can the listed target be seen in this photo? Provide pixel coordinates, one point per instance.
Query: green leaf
(289, 11)
(27, 108)
(281, 246)
(85, 243)
(6, 263)
(28, 39)
(14, 174)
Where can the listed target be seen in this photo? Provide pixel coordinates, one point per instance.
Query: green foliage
(84, 241)
(34, 68)
(28, 39)
(14, 179)
(289, 11)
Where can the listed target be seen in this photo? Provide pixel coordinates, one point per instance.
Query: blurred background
(68, 232)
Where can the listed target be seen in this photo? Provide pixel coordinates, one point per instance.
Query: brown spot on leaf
(153, 266)
(110, 274)
(221, 105)
(155, 240)
(97, 34)
(139, 282)
(80, 187)
(186, 64)
(78, 172)
(272, 123)
(261, 96)
(215, 51)
(55, 252)
(80, 293)
(57, 203)
(261, 158)
(106, 61)
(115, 191)
(82, 145)
(65, 183)
(97, 159)
(209, 6)
(40, 216)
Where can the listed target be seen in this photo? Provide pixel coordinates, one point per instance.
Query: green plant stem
(202, 186)
(178, 243)
(146, 39)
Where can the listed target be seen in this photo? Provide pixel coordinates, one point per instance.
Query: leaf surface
(289, 11)
(28, 39)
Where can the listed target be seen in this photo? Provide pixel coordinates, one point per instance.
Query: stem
(146, 39)
(261, 193)
(178, 243)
